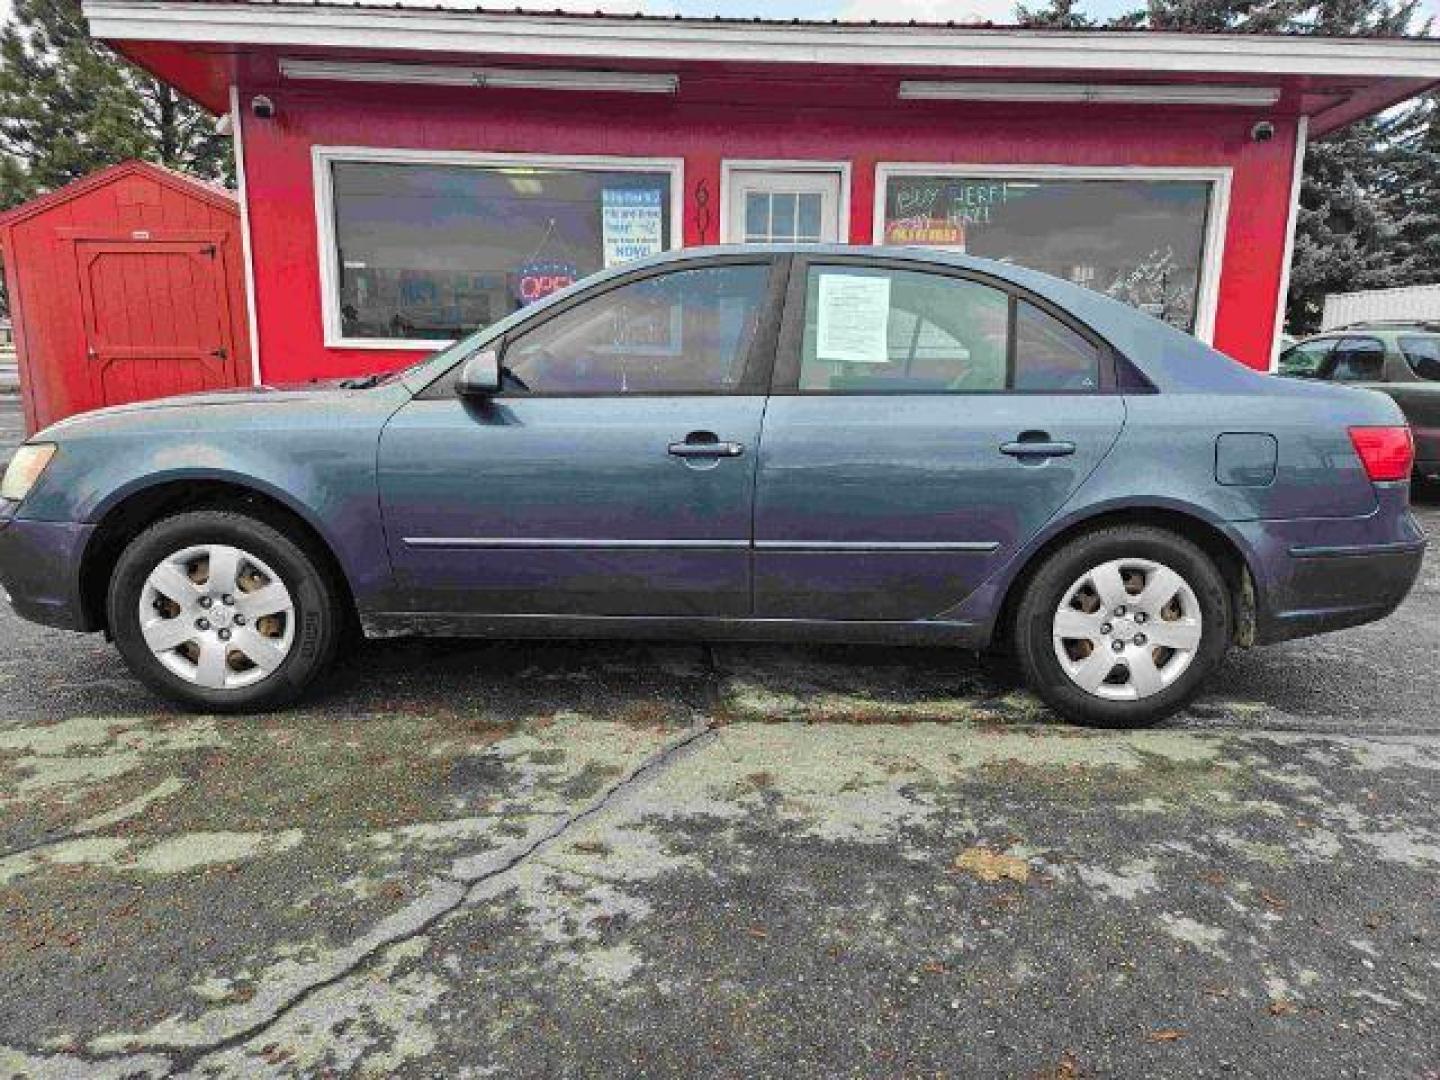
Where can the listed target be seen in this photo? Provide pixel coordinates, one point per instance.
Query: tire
(1170, 640)
(293, 633)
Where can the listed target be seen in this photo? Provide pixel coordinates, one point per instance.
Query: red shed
(125, 285)
(409, 171)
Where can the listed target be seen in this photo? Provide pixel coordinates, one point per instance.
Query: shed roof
(187, 185)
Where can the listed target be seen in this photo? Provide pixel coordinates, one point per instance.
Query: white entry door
(784, 206)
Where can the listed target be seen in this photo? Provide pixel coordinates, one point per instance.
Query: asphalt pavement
(579, 859)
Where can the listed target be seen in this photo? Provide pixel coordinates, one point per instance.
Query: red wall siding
(45, 298)
(282, 200)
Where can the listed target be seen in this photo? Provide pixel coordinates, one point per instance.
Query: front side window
(683, 332)
(1303, 361)
(1423, 356)
(1141, 241)
(1357, 360)
(435, 251)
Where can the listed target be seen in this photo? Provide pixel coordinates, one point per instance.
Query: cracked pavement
(570, 859)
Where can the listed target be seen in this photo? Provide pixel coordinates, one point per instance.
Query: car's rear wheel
(221, 611)
(1120, 627)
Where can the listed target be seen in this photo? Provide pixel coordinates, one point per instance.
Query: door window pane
(757, 216)
(784, 217)
(685, 332)
(782, 211)
(807, 231)
(1358, 360)
(436, 251)
(1423, 356)
(1050, 355)
(902, 331)
(1303, 361)
(1140, 241)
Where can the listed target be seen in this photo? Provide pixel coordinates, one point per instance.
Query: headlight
(25, 468)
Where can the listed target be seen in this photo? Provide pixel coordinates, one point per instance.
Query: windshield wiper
(364, 382)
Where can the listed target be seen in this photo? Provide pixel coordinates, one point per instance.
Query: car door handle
(714, 449)
(1023, 448)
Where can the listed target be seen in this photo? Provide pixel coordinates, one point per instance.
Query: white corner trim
(322, 157)
(1217, 216)
(1297, 170)
(252, 320)
(730, 166)
(362, 26)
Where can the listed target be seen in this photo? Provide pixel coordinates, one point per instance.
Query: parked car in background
(794, 443)
(1398, 358)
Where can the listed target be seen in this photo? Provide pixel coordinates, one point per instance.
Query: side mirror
(479, 375)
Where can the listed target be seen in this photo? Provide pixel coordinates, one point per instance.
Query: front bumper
(40, 570)
(1322, 574)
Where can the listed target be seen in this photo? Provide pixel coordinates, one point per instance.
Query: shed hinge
(208, 249)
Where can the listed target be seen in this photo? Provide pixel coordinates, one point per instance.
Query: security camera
(1264, 131)
(262, 107)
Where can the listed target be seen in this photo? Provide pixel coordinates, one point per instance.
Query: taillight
(1388, 453)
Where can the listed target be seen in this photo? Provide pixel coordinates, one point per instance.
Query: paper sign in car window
(853, 319)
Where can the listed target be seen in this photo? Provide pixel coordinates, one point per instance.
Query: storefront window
(1140, 241)
(433, 251)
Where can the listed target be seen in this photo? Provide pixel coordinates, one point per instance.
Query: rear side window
(1423, 356)
(874, 330)
(1357, 360)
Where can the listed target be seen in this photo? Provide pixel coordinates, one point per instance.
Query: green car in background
(1401, 359)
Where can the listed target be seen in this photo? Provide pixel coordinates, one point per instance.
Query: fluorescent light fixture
(610, 82)
(1091, 93)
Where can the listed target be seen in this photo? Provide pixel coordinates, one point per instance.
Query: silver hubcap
(217, 616)
(1127, 629)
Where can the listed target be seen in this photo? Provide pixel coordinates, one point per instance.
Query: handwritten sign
(937, 211)
(632, 224)
(853, 319)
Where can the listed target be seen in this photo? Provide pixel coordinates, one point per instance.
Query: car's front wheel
(223, 612)
(1120, 627)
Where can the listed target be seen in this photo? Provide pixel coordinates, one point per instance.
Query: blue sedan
(838, 444)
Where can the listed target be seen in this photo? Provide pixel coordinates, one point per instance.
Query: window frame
(323, 157)
(1217, 214)
(755, 375)
(789, 354)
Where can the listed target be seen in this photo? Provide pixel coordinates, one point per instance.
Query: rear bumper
(1318, 575)
(40, 570)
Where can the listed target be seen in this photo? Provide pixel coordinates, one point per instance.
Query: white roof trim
(427, 30)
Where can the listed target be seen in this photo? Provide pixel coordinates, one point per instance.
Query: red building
(408, 173)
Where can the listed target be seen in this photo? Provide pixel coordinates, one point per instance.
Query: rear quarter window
(1423, 356)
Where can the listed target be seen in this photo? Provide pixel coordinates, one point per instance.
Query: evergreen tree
(1410, 181)
(68, 106)
(1346, 235)
(1055, 15)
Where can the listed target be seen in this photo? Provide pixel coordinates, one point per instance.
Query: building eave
(429, 30)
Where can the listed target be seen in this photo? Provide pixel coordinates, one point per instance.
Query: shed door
(157, 321)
